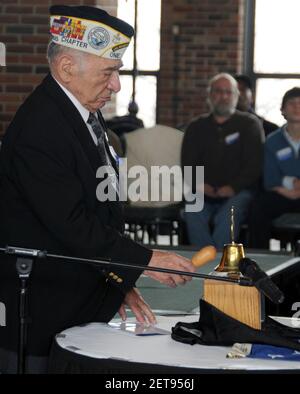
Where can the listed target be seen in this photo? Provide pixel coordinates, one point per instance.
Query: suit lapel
(75, 120)
(81, 131)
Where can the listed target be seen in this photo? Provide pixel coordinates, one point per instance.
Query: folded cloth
(240, 350)
(218, 329)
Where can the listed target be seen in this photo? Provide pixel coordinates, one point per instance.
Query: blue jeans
(211, 226)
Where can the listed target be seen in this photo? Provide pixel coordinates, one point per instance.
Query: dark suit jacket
(48, 164)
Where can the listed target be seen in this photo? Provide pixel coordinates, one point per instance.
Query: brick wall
(24, 27)
(199, 38)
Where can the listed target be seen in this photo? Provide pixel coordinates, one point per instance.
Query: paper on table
(169, 312)
(138, 329)
(164, 323)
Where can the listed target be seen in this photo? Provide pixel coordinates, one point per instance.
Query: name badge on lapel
(284, 154)
(231, 138)
(114, 154)
(111, 149)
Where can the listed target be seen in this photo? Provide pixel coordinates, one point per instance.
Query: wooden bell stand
(243, 303)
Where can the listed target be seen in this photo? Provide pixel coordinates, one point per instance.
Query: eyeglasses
(229, 92)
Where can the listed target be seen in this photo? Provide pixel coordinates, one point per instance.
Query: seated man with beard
(229, 144)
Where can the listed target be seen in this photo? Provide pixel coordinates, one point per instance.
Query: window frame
(135, 72)
(249, 42)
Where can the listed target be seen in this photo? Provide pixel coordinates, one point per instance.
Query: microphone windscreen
(261, 280)
(206, 254)
(244, 265)
(251, 269)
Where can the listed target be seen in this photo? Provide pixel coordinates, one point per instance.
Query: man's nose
(114, 82)
(225, 93)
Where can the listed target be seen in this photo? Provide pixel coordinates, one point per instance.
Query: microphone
(261, 280)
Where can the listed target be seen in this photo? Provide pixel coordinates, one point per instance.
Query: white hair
(229, 78)
(55, 50)
(217, 108)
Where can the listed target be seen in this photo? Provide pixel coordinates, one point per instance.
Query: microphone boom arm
(25, 252)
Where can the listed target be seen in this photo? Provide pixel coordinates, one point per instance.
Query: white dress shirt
(81, 109)
(85, 116)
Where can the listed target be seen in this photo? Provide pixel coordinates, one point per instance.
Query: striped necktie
(99, 131)
(100, 134)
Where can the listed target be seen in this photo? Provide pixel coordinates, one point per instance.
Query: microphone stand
(24, 264)
(24, 268)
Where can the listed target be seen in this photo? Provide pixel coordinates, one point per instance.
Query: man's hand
(138, 306)
(296, 184)
(209, 190)
(225, 191)
(291, 194)
(171, 261)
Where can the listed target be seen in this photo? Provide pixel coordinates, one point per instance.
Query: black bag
(218, 329)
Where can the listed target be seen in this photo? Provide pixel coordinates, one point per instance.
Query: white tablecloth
(103, 342)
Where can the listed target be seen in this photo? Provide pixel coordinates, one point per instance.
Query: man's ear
(283, 113)
(251, 97)
(66, 68)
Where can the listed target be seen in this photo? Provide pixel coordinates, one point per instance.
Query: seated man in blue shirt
(281, 173)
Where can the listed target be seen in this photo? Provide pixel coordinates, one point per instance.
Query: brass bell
(232, 253)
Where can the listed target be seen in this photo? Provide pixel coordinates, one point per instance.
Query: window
(273, 56)
(142, 58)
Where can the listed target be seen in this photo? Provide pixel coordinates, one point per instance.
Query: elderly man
(49, 159)
(228, 143)
(281, 173)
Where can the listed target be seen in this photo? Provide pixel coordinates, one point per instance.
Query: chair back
(158, 146)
